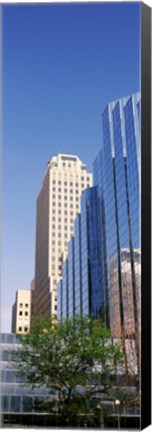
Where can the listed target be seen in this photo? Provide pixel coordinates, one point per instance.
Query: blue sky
(61, 64)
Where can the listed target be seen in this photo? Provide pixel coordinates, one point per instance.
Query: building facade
(80, 291)
(21, 312)
(18, 401)
(16, 398)
(57, 206)
(117, 175)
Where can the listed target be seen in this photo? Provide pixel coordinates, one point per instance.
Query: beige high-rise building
(21, 312)
(57, 206)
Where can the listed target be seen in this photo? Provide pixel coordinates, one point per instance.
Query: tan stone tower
(57, 205)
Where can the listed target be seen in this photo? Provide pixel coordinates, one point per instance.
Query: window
(59, 197)
(59, 235)
(53, 234)
(53, 242)
(20, 328)
(53, 204)
(21, 304)
(59, 243)
(25, 329)
(53, 219)
(59, 227)
(63, 164)
(60, 267)
(88, 185)
(53, 189)
(59, 204)
(71, 198)
(77, 199)
(59, 219)
(20, 313)
(77, 191)
(71, 220)
(59, 182)
(53, 267)
(59, 211)
(53, 196)
(65, 197)
(53, 226)
(55, 307)
(82, 178)
(71, 205)
(77, 206)
(65, 235)
(71, 190)
(26, 304)
(65, 227)
(26, 313)
(65, 244)
(65, 205)
(65, 220)
(77, 185)
(65, 212)
(53, 211)
(71, 184)
(71, 213)
(88, 179)
(65, 183)
(59, 189)
(82, 185)
(54, 181)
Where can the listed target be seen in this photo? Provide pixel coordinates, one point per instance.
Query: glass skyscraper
(117, 176)
(80, 291)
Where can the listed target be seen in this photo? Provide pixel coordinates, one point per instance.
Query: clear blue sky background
(61, 65)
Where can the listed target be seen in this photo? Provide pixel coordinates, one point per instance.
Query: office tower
(80, 291)
(21, 312)
(57, 206)
(117, 174)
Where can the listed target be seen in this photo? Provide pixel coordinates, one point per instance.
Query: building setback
(57, 206)
(117, 176)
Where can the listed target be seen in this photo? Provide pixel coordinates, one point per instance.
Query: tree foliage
(77, 359)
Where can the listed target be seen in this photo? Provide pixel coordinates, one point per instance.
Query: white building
(57, 205)
(21, 312)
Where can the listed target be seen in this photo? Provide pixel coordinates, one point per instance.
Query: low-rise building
(21, 312)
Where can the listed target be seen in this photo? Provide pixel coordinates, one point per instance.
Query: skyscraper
(80, 291)
(117, 174)
(57, 206)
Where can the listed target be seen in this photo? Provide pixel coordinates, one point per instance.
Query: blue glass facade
(117, 171)
(91, 254)
(81, 272)
(60, 300)
(78, 266)
(71, 281)
(64, 289)
(102, 274)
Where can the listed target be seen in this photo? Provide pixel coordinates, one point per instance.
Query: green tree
(77, 359)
